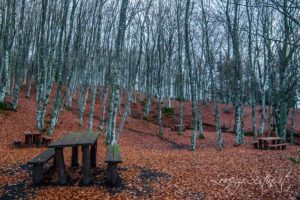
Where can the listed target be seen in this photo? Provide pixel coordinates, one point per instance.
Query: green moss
(248, 133)
(168, 112)
(115, 148)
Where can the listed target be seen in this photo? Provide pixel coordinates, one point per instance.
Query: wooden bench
(281, 146)
(38, 164)
(46, 140)
(255, 144)
(112, 158)
(32, 138)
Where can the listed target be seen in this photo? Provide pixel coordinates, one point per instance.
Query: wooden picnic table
(33, 138)
(264, 141)
(89, 155)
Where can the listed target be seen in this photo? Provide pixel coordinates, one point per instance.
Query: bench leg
(75, 157)
(29, 139)
(61, 167)
(37, 139)
(255, 145)
(37, 173)
(112, 173)
(266, 144)
(260, 144)
(86, 165)
(26, 139)
(94, 155)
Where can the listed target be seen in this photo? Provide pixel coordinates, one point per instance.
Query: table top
(32, 133)
(76, 139)
(269, 138)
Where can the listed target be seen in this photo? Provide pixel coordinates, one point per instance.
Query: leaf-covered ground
(153, 167)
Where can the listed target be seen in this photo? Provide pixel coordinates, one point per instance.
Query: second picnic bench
(112, 158)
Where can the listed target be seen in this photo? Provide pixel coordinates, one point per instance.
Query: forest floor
(153, 167)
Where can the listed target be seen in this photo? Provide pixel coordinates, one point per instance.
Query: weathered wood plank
(76, 139)
(44, 157)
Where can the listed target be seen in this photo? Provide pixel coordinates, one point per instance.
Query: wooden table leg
(260, 144)
(94, 155)
(75, 156)
(86, 164)
(29, 139)
(266, 145)
(38, 139)
(61, 167)
(26, 139)
(37, 174)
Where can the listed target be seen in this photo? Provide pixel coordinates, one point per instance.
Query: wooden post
(61, 168)
(26, 139)
(266, 144)
(112, 174)
(260, 144)
(86, 164)
(94, 155)
(29, 139)
(37, 173)
(75, 156)
(38, 140)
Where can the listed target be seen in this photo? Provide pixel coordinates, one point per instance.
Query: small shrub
(294, 160)
(3, 106)
(146, 119)
(168, 111)
(68, 108)
(43, 130)
(248, 133)
(6, 106)
(201, 137)
(226, 110)
(183, 100)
